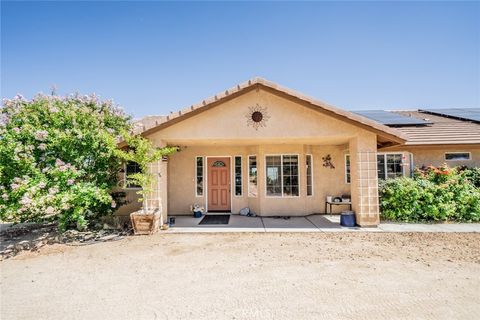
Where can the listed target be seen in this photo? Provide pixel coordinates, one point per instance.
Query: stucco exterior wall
(326, 181)
(288, 123)
(436, 157)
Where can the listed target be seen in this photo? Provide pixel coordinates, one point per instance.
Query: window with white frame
(252, 176)
(282, 176)
(347, 168)
(199, 176)
(238, 176)
(290, 175)
(457, 156)
(274, 175)
(309, 173)
(131, 168)
(389, 165)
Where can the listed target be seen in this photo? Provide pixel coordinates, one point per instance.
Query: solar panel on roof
(391, 118)
(472, 114)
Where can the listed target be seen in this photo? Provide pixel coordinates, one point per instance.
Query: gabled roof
(387, 133)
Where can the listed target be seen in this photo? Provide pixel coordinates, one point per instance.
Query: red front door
(218, 184)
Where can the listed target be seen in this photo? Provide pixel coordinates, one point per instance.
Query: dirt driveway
(249, 276)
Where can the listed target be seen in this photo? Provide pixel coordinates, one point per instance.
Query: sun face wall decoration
(257, 116)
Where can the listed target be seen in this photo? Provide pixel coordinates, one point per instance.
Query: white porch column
(364, 179)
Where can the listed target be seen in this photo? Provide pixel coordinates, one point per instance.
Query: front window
(252, 176)
(457, 156)
(199, 176)
(238, 176)
(274, 175)
(282, 178)
(347, 168)
(394, 166)
(390, 165)
(309, 165)
(381, 167)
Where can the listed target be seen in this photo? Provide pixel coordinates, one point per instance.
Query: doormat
(216, 219)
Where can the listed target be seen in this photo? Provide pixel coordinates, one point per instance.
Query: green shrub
(59, 159)
(472, 175)
(433, 194)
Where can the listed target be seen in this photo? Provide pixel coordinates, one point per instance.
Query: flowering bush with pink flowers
(59, 159)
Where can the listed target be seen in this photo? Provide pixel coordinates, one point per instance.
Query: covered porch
(272, 178)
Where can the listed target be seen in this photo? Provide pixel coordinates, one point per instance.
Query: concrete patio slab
(328, 224)
(294, 224)
(332, 218)
(236, 224)
(331, 223)
(322, 222)
(313, 223)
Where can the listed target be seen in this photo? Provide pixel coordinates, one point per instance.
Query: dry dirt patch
(249, 276)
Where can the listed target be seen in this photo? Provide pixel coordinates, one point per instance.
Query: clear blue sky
(156, 57)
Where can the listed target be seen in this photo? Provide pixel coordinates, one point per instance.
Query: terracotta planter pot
(145, 223)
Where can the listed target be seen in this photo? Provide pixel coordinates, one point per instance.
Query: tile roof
(442, 130)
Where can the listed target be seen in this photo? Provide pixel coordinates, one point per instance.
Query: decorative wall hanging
(257, 116)
(327, 162)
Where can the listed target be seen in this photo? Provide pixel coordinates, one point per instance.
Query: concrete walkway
(313, 223)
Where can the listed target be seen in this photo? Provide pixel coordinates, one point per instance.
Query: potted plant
(197, 210)
(141, 151)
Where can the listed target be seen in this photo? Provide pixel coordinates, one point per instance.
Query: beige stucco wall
(436, 157)
(288, 123)
(326, 181)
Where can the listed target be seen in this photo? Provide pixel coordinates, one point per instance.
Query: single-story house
(278, 152)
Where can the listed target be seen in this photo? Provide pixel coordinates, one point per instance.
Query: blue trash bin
(347, 219)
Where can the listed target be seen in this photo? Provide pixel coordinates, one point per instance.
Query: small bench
(333, 203)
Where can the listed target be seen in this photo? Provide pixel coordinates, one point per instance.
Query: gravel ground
(249, 276)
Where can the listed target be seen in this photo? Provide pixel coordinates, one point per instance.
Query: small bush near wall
(433, 194)
(472, 174)
(59, 159)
